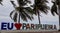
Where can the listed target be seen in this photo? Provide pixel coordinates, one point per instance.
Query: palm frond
(25, 12)
(28, 15)
(11, 14)
(23, 17)
(54, 9)
(15, 17)
(21, 2)
(1, 2)
(43, 8)
(59, 6)
(29, 10)
(57, 2)
(13, 3)
(40, 5)
(27, 1)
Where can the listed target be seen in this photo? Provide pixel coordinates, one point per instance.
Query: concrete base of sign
(28, 31)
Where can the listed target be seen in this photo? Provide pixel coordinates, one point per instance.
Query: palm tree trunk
(59, 16)
(19, 18)
(39, 17)
(59, 22)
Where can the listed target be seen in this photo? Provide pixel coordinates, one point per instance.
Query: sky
(45, 19)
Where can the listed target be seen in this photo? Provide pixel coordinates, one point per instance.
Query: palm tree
(55, 7)
(40, 6)
(24, 12)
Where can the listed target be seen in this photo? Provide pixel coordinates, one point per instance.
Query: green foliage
(24, 12)
(57, 2)
(13, 3)
(15, 17)
(40, 5)
(27, 12)
(1, 2)
(54, 7)
(23, 2)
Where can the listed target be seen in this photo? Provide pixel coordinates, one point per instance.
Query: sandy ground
(29, 31)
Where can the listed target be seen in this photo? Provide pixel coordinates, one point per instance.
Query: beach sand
(28, 31)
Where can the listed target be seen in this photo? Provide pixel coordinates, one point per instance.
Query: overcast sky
(45, 19)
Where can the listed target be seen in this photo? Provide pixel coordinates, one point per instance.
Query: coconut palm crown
(24, 12)
(40, 6)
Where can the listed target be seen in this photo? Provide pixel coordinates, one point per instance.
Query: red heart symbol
(18, 26)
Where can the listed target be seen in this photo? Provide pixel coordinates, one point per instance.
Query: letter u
(10, 26)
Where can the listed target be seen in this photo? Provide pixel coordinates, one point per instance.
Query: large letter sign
(5, 26)
(24, 26)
